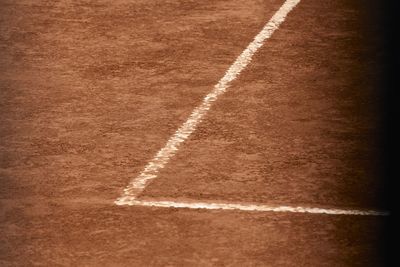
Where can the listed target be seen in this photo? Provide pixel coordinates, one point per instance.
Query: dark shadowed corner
(389, 138)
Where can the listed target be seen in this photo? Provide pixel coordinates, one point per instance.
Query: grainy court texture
(153, 133)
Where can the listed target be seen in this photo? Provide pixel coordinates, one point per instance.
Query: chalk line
(245, 207)
(150, 172)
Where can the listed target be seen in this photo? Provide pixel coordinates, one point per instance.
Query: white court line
(150, 172)
(246, 207)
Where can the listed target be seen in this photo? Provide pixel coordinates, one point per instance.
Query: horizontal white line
(131, 201)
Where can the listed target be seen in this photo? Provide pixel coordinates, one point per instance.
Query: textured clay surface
(90, 90)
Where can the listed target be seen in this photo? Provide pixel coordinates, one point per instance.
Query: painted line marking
(246, 207)
(150, 172)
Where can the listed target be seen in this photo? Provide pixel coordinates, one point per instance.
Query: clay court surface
(90, 91)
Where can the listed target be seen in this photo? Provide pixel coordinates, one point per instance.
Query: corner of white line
(125, 200)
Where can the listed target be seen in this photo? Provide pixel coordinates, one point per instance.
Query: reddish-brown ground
(91, 90)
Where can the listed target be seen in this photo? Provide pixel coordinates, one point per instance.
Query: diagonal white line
(246, 207)
(150, 172)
